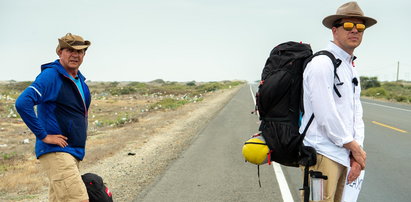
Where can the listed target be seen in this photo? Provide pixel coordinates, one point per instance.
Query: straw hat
(348, 10)
(72, 41)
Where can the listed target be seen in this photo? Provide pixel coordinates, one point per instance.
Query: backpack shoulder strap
(308, 125)
(336, 62)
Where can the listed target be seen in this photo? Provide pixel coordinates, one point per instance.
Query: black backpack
(280, 105)
(96, 189)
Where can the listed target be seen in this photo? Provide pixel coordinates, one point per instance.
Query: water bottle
(317, 185)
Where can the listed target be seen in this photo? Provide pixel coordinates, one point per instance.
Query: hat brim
(329, 20)
(63, 44)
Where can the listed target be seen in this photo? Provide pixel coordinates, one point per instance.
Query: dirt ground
(129, 156)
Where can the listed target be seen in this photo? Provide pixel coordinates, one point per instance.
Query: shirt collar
(340, 53)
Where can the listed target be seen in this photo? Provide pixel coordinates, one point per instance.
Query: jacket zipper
(84, 103)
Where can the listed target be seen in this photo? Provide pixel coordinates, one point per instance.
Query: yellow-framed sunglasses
(348, 26)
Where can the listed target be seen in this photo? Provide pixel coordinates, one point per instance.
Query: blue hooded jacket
(60, 110)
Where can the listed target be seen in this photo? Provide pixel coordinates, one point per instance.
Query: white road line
(282, 182)
(386, 106)
(253, 96)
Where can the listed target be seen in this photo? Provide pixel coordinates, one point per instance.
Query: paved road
(212, 168)
(388, 174)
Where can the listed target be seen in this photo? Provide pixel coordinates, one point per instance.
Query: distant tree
(369, 82)
(160, 81)
(191, 83)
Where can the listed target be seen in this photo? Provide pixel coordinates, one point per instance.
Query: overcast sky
(185, 40)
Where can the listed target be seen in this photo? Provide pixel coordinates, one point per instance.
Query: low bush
(375, 92)
(169, 103)
(369, 82)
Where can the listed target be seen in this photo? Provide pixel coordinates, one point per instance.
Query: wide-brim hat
(349, 10)
(72, 41)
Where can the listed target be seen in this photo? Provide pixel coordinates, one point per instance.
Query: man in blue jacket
(60, 124)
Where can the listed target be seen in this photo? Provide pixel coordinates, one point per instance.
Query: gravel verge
(159, 139)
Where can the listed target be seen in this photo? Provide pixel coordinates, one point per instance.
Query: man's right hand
(59, 140)
(357, 152)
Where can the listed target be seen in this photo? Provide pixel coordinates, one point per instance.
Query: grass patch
(8, 156)
(3, 168)
(378, 92)
(168, 103)
(120, 120)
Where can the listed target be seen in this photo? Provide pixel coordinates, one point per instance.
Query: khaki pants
(336, 173)
(62, 170)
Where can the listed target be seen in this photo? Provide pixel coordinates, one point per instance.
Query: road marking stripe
(370, 103)
(282, 182)
(253, 96)
(390, 127)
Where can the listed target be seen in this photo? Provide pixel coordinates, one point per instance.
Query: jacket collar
(60, 69)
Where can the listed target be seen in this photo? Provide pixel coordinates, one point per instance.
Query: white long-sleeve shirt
(338, 120)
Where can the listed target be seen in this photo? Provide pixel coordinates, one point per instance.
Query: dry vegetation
(399, 91)
(115, 105)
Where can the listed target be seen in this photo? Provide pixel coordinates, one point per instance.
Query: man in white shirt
(337, 131)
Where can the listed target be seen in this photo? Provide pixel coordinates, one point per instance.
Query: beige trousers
(336, 173)
(62, 170)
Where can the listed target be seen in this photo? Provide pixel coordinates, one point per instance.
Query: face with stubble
(71, 59)
(346, 37)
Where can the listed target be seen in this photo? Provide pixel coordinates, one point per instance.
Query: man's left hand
(354, 171)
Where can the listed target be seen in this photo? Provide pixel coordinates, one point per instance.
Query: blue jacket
(60, 110)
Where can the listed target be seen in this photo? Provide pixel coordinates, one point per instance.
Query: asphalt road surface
(213, 169)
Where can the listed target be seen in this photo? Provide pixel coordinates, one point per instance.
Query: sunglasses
(348, 26)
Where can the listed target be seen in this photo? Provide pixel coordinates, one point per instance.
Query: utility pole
(398, 69)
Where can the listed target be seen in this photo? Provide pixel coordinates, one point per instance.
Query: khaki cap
(348, 10)
(72, 41)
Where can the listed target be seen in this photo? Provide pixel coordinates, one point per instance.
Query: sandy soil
(143, 150)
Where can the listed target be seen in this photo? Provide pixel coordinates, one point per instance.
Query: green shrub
(136, 84)
(375, 92)
(369, 82)
(8, 156)
(139, 87)
(236, 83)
(119, 121)
(191, 83)
(400, 98)
(160, 81)
(208, 87)
(168, 103)
(122, 90)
